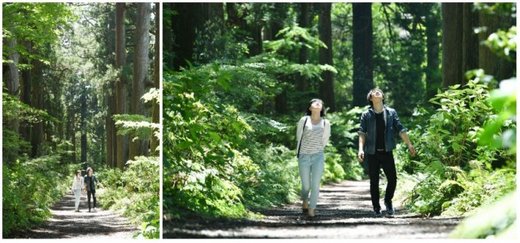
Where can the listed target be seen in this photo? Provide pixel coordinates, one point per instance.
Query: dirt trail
(65, 223)
(344, 211)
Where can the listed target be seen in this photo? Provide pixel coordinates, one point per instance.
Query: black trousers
(384, 160)
(93, 194)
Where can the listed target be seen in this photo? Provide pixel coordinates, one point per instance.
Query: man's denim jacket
(368, 128)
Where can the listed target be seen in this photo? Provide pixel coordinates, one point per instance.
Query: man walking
(90, 185)
(376, 141)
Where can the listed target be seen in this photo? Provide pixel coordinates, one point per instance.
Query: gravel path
(344, 211)
(65, 223)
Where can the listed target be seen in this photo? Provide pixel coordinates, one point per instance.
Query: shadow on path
(66, 223)
(344, 211)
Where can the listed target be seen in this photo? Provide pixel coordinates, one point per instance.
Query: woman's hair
(89, 169)
(78, 171)
(369, 95)
(322, 112)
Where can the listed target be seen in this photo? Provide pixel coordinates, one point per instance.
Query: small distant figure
(90, 186)
(77, 186)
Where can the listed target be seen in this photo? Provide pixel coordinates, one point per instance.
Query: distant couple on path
(88, 184)
(376, 141)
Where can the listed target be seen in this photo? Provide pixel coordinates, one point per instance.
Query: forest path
(66, 223)
(344, 211)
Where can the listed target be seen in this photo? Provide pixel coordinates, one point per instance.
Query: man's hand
(361, 156)
(411, 149)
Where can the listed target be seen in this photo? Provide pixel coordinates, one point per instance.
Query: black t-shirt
(380, 131)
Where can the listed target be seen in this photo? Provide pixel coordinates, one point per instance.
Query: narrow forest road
(65, 223)
(344, 211)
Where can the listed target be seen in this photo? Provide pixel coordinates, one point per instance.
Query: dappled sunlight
(343, 211)
(66, 223)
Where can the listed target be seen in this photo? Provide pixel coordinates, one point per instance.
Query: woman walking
(77, 186)
(312, 134)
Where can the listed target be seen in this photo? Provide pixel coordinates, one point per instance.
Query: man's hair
(322, 112)
(369, 95)
(89, 169)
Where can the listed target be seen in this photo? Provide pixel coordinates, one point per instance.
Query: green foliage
(30, 187)
(500, 130)
(138, 126)
(39, 24)
(13, 146)
(135, 192)
(497, 220)
(333, 172)
(400, 51)
(14, 109)
(222, 158)
(344, 139)
(503, 43)
(292, 39)
(277, 179)
(213, 42)
(454, 173)
(199, 156)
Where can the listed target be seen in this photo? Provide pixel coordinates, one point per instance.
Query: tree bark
(121, 142)
(155, 142)
(83, 125)
(325, 29)
(302, 84)
(278, 15)
(141, 65)
(491, 63)
(452, 28)
(37, 102)
(469, 39)
(433, 75)
(184, 24)
(362, 52)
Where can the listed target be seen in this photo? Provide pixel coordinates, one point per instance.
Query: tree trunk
(141, 65)
(110, 155)
(25, 129)
(157, 78)
(469, 39)
(83, 122)
(37, 102)
(302, 84)
(362, 52)
(325, 29)
(13, 84)
(433, 75)
(184, 24)
(278, 16)
(452, 44)
(121, 142)
(491, 63)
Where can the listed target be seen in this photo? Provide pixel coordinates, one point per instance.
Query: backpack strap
(301, 138)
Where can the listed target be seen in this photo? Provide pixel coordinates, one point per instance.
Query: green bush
(453, 172)
(344, 138)
(30, 187)
(135, 192)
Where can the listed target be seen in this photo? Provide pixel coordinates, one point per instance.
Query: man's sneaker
(377, 213)
(389, 209)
